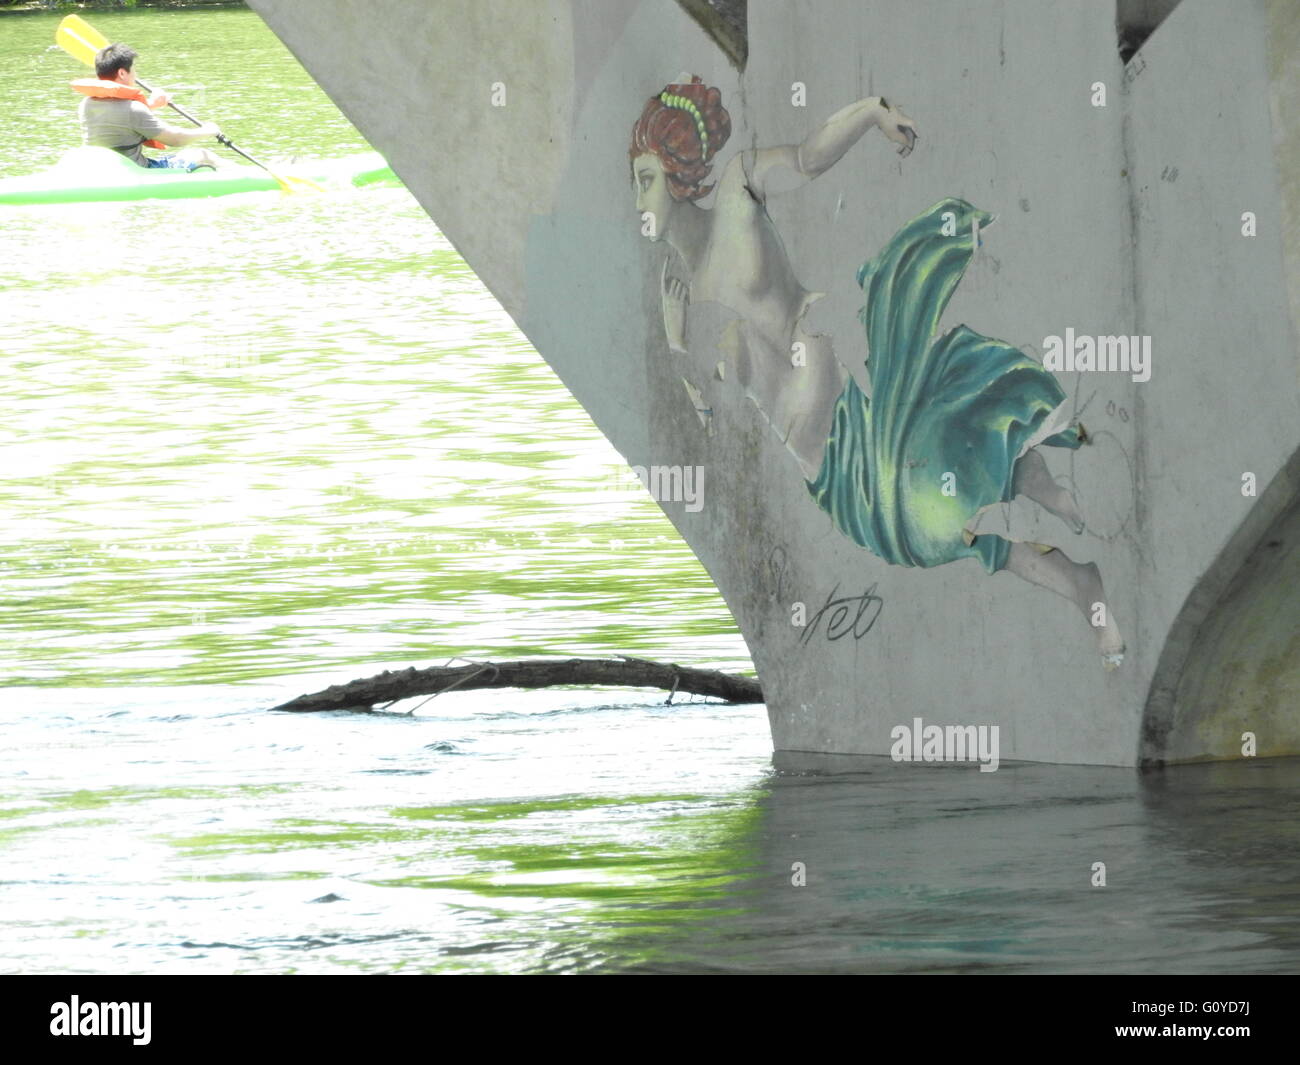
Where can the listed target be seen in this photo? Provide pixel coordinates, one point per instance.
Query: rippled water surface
(256, 444)
(274, 434)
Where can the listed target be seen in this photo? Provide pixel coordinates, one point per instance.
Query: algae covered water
(254, 445)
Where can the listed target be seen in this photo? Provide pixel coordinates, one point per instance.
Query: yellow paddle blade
(289, 183)
(85, 31)
(75, 45)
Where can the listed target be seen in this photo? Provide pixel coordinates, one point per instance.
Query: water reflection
(943, 869)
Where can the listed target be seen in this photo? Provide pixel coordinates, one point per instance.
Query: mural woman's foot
(1069, 513)
(1109, 641)
(1060, 502)
(1034, 480)
(1080, 582)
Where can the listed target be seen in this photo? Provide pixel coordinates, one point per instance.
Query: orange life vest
(99, 89)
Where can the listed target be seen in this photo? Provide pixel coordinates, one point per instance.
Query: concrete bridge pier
(691, 259)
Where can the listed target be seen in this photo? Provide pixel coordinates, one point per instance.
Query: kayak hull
(88, 175)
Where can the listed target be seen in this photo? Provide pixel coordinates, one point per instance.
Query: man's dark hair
(111, 59)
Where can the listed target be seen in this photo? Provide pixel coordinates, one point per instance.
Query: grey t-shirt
(124, 124)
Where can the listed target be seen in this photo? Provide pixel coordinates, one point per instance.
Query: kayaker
(116, 114)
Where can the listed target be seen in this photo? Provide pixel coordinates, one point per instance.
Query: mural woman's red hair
(686, 139)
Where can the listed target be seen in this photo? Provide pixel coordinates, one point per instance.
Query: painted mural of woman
(952, 424)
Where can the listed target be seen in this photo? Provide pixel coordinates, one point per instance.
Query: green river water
(263, 435)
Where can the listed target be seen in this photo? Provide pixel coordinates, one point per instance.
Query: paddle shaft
(221, 137)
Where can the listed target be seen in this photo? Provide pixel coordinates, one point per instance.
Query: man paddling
(116, 114)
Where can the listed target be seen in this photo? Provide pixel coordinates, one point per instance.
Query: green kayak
(90, 174)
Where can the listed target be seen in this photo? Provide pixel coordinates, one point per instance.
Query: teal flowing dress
(963, 404)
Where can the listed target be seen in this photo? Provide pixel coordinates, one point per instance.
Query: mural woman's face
(652, 193)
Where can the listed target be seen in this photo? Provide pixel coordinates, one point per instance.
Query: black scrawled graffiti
(849, 615)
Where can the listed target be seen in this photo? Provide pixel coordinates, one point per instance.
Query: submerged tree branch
(388, 687)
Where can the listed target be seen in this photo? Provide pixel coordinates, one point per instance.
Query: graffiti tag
(848, 615)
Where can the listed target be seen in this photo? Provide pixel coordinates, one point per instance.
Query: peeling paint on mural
(950, 426)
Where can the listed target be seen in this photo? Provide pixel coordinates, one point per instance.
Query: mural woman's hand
(899, 128)
(676, 297)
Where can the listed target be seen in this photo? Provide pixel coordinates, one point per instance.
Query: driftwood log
(388, 687)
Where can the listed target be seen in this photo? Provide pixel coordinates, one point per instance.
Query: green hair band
(682, 103)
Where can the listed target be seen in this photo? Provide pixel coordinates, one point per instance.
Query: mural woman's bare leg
(1034, 480)
(1079, 582)
(808, 397)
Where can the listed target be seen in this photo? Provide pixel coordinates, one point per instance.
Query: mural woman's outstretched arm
(826, 145)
